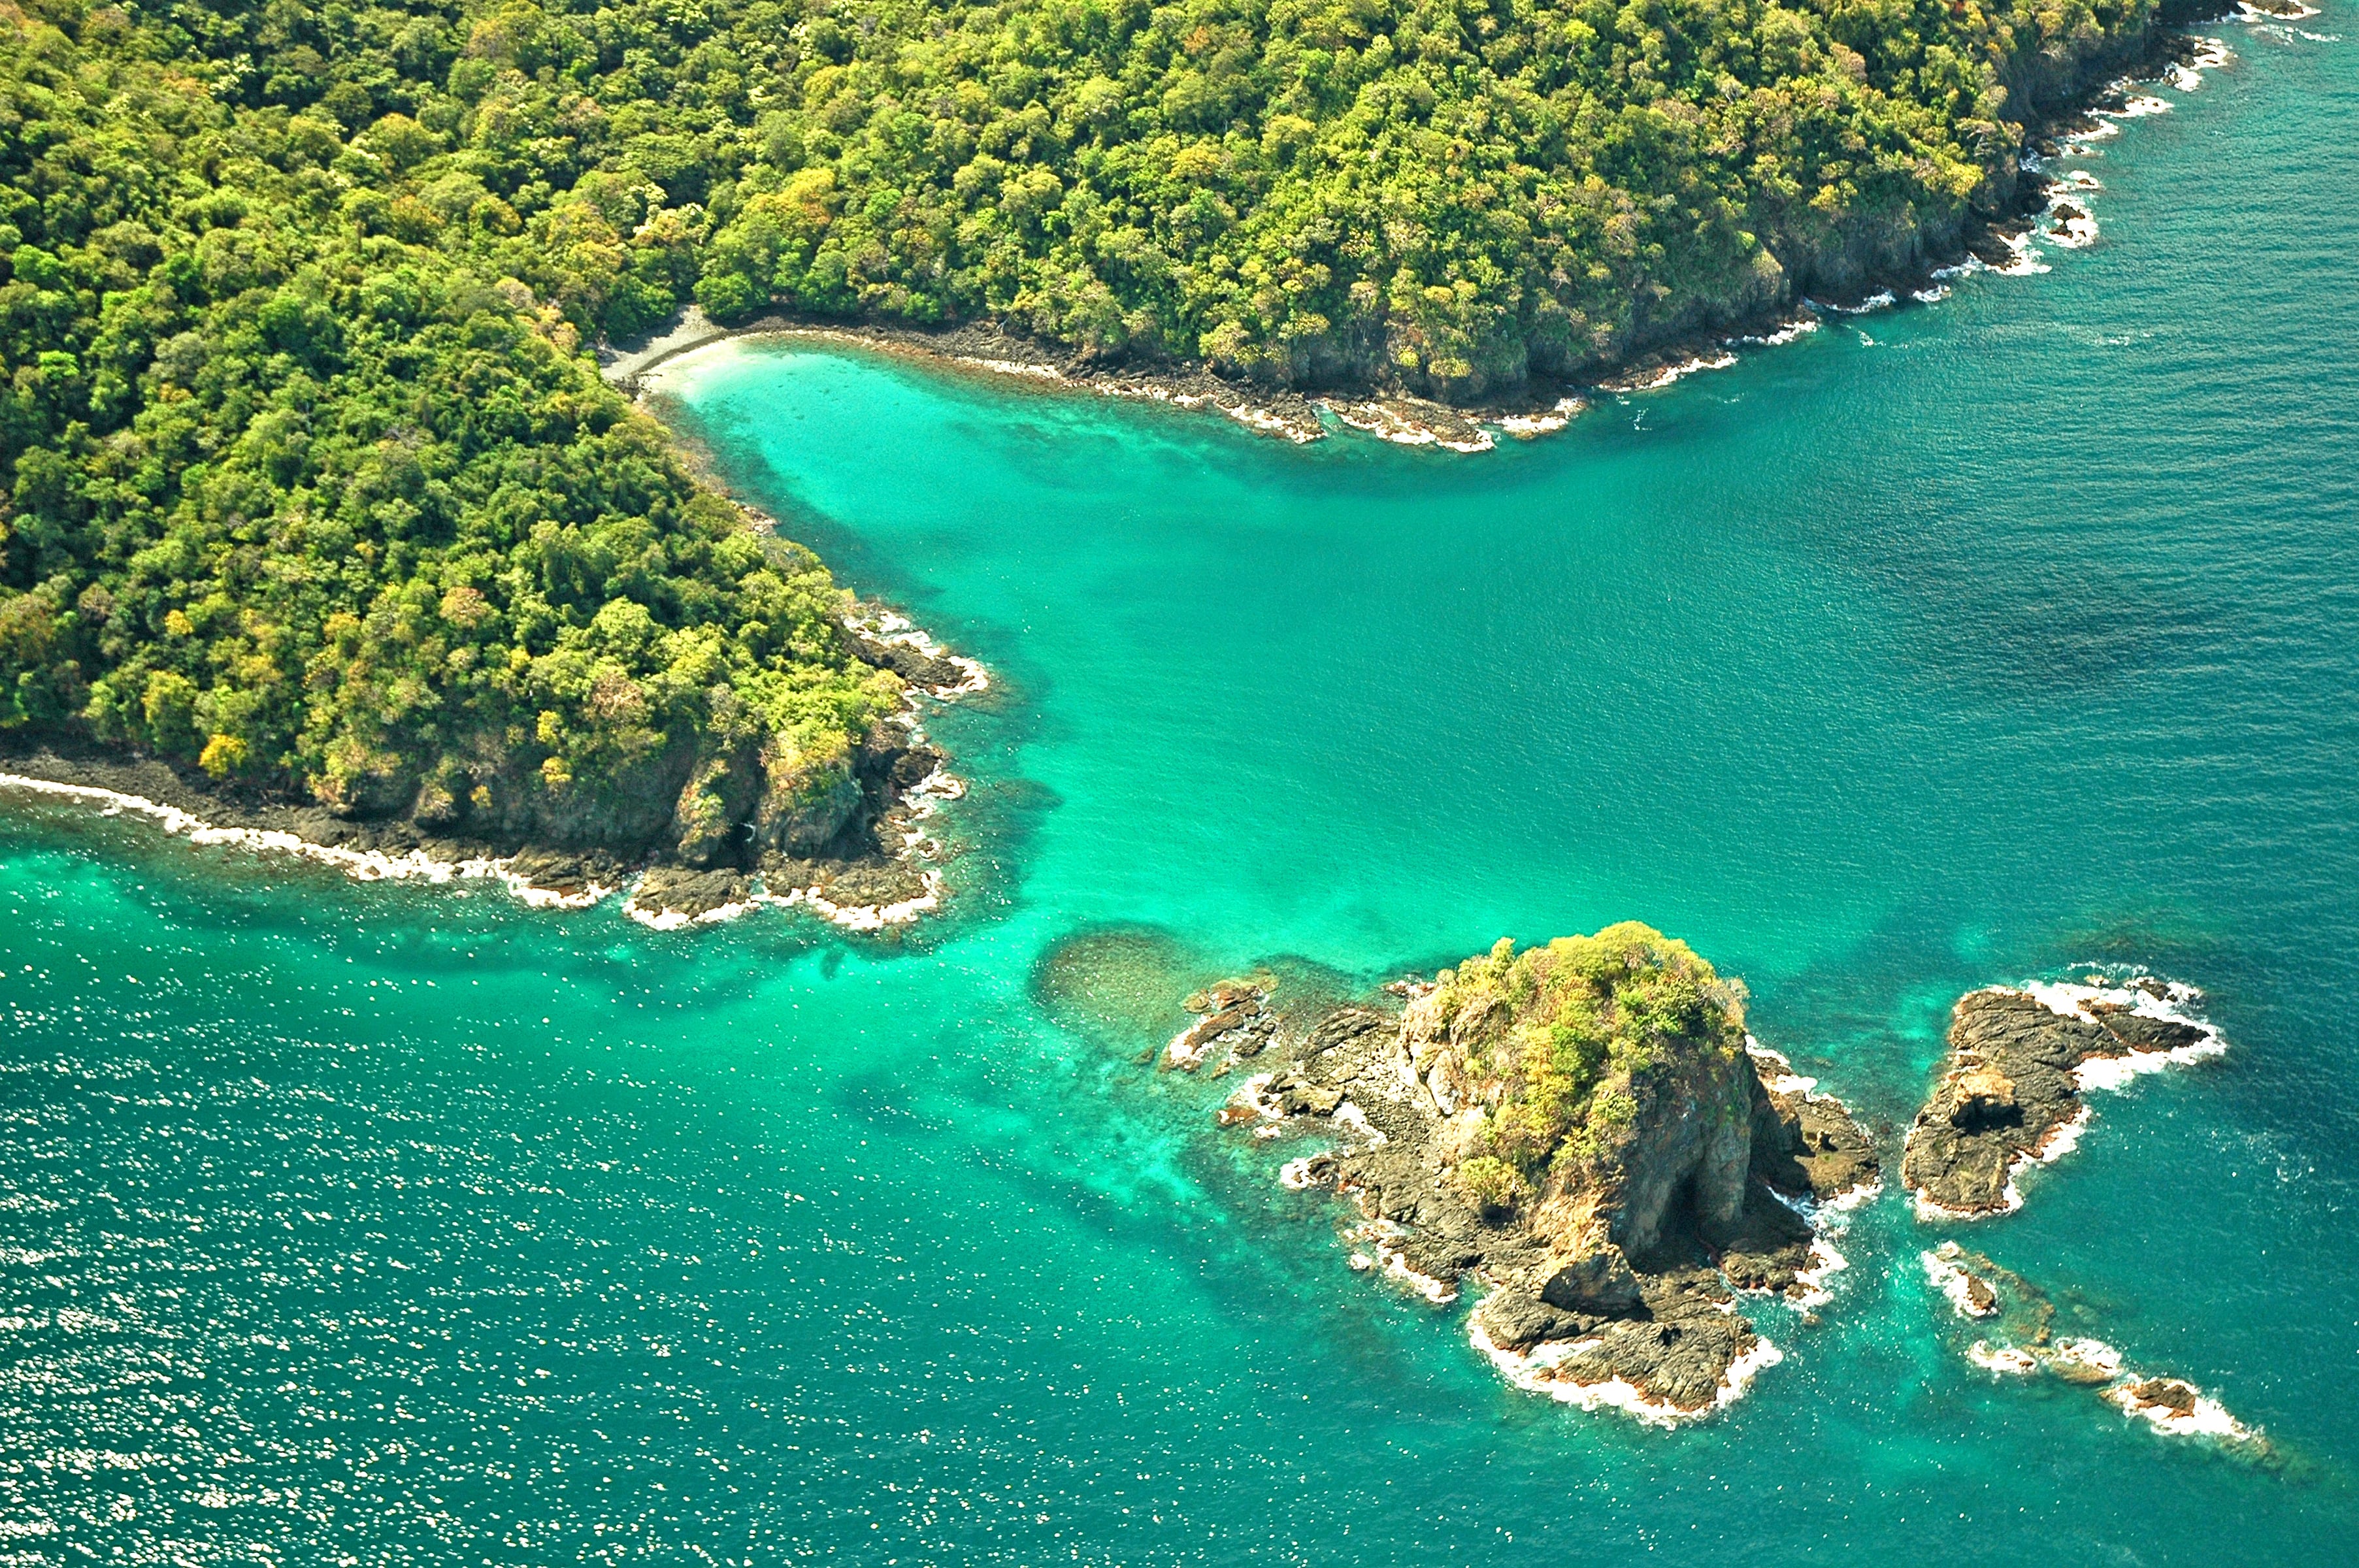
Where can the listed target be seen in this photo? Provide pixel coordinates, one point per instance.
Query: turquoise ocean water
(1948, 645)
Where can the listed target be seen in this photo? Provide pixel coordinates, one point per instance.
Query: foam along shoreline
(2274, 11)
(929, 671)
(1544, 1369)
(2066, 221)
(1384, 1091)
(2088, 1002)
(1399, 419)
(1403, 419)
(2010, 1092)
(2016, 1341)
(917, 805)
(361, 865)
(906, 815)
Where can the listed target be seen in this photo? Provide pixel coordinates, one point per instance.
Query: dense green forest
(306, 475)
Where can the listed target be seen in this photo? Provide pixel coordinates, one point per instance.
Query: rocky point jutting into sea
(855, 850)
(1584, 1131)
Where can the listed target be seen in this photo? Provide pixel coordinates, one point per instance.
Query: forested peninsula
(310, 485)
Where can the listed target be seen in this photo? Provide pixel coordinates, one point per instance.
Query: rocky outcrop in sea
(1583, 1132)
(2020, 1060)
(2014, 1327)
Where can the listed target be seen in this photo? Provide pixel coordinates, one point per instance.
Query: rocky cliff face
(1582, 1127)
(832, 817)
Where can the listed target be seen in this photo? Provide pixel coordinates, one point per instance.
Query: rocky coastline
(880, 870)
(1870, 262)
(1691, 1168)
(2020, 1060)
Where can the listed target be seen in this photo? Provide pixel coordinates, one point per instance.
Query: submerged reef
(2015, 1325)
(2010, 1093)
(1582, 1130)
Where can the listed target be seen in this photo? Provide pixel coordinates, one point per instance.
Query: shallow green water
(1946, 646)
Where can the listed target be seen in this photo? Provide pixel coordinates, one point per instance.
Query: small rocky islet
(2014, 1322)
(1584, 1130)
(2010, 1091)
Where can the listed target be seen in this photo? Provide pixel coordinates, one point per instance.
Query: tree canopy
(305, 472)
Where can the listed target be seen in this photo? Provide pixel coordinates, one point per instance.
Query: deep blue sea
(1950, 644)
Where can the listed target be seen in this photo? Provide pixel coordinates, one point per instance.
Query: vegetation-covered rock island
(1585, 1129)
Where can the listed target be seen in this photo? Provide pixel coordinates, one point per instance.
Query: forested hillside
(306, 476)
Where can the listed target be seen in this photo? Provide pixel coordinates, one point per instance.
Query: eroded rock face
(2010, 1092)
(1607, 1194)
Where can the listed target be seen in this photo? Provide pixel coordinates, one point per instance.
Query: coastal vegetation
(307, 478)
(1584, 1126)
(303, 486)
(1555, 1037)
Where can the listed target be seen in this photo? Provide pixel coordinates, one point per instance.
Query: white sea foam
(2094, 1357)
(892, 626)
(361, 865)
(1254, 1095)
(1786, 1081)
(1858, 1196)
(2300, 13)
(2209, 1418)
(1533, 1372)
(1662, 376)
(2081, 1001)
(1295, 1174)
(1526, 426)
(1882, 299)
(2077, 233)
(2062, 1138)
(1266, 421)
(1780, 336)
(1933, 296)
(1949, 1276)
(1011, 367)
(1188, 1047)
(2006, 1361)
(1825, 1262)
(860, 917)
(2026, 262)
(2009, 1201)
(1350, 1115)
(1397, 1267)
